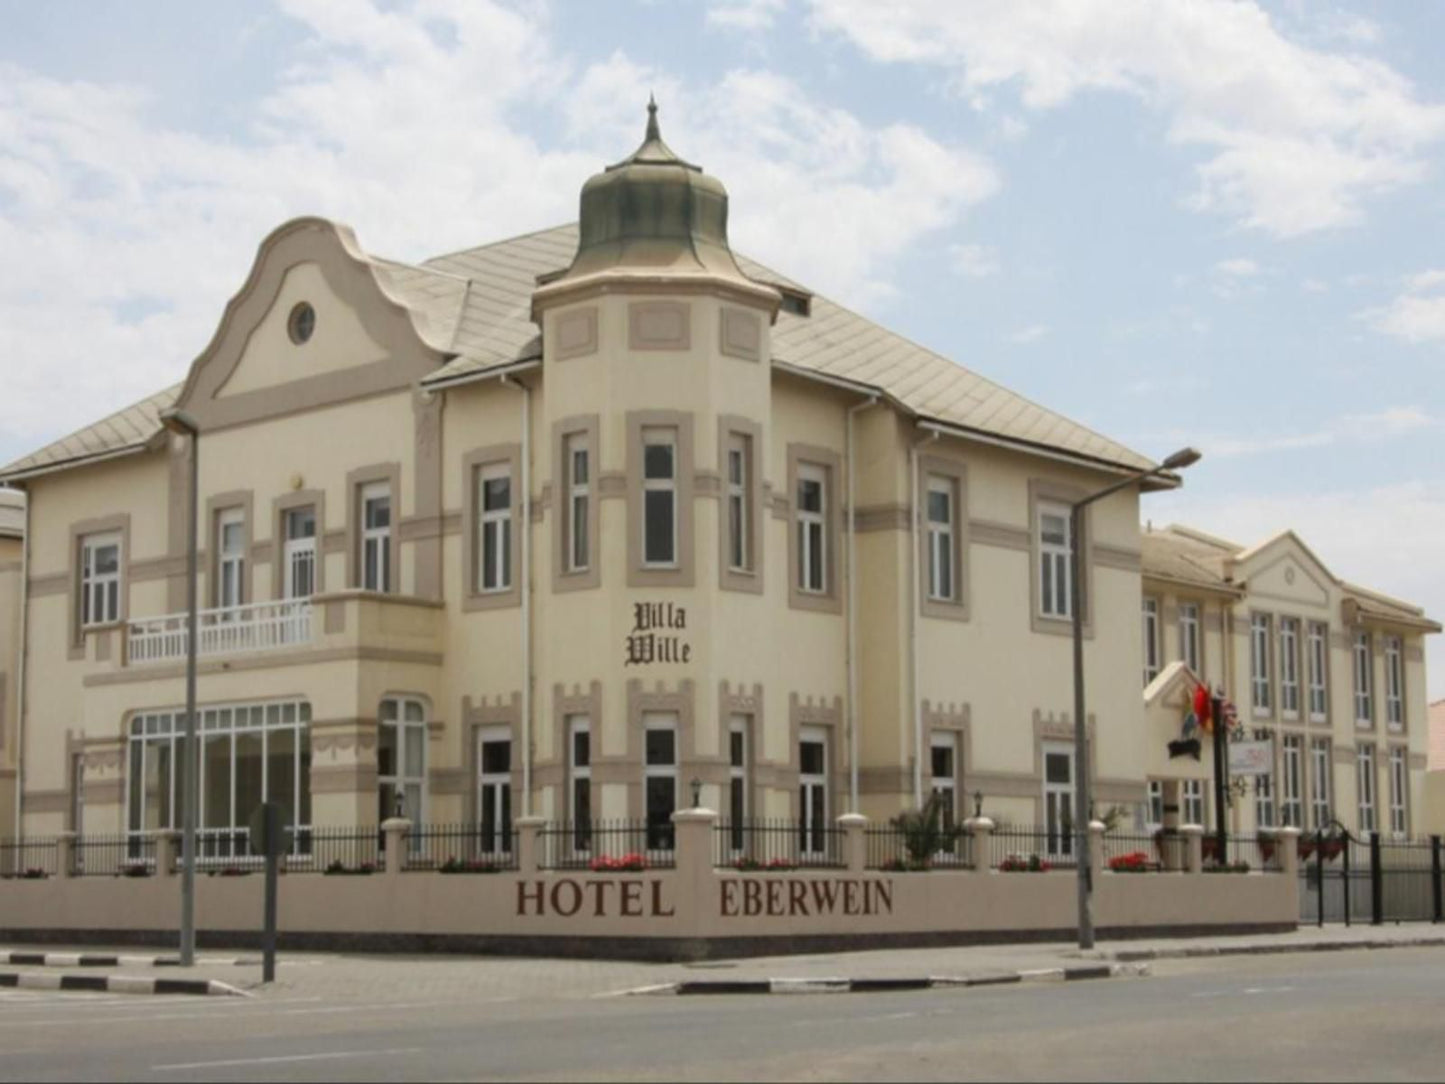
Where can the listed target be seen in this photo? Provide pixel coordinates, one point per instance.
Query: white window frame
(375, 556)
(1152, 648)
(1289, 691)
(1399, 792)
(230, 562)
(1154, 805)
(942, 567)
(299, 553)
(579, 727)
(1362, 652)
(660, 436)
(812, 540)
(1189, 636)
(1059, 801)
(1321, 783)
(1264, 807)
(1055, 562)
(659, 836)
(1260, 671)
(99, 591)
(1291, 798)
(739, 789)
(812, 828)
(1365, 782)
(946, 785)
(1191, 801)
(1318, 671)
(406, 716)
(739, 473)
(1394, 683)
(494, 532)
(579, 501)
(494, 791)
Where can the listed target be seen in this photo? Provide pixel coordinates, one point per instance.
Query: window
(812, 792)
(401, 760)
(494, 788)
(579, 772)
(738, 795)
(1154, 805)
(1189, 639)
(1055, 546)
(301, 323)
(1319, 660)
(376, 537)
(1291, 806)
(494, 528)
(660, 778)
(1394, 684)
(230, 558)
(1365, 787)
(1364, 700)
(942, 575)
(1289, 667)
(579, 502)
(1263, 791)
(100, 579)
(1152, 650)
(739, 472)
(812, 525)
(1259, 669)
(299, 574)
(1191, 794)
(1399, 784)
(250, 753)
(1320, 804)
(943, 753)
(1059, 799)
(659, 497)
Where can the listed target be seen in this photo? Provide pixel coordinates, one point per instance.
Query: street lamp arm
(1183, 458)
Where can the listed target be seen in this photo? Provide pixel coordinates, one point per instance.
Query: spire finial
(652, 131)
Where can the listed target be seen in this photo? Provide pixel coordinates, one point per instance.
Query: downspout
(20, 676)
(526, 592)
(851, 662)
(915, 603)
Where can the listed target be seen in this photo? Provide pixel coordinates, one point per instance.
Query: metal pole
(1216, 705)
(1435, 886)
(1081, 746)
(190, 760)
(1348, 883)
(273, 860)
(1320, 872)
(1377, 882)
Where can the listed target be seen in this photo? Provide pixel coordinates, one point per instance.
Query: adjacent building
(12, 570)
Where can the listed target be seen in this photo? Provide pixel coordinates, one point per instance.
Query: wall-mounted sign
(593, 897)
(779, 897)
(656, 635)
(1251, 758)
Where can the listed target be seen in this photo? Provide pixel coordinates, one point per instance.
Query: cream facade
(12, 572)
(576, 525)
(1330, 674)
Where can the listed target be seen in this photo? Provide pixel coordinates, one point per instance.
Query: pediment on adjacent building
(1283, 568)
(317, 322)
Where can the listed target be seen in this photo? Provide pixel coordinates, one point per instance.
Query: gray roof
(1188, 558)
(478, 302)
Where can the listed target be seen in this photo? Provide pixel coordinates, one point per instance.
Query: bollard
(396, 829)
(855, 842)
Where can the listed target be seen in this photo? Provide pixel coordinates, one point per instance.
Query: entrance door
(494, 789)
(1059, 799)
(812, 792)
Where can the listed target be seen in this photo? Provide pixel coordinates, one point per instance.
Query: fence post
(529, 840)
(1435, 887)
(167, 849)
(1286, 850)
(1097, 828)
(980, 830)
(64, 856)
(1377, 882)
(396, 829)
(1193, 847)
(855, 843)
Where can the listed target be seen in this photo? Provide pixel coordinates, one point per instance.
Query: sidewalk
(346, 978)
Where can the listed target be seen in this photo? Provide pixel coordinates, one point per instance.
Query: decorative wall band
(1117, 557)
(985, 532)
(55, 583)
(267, 662)
(881, 517)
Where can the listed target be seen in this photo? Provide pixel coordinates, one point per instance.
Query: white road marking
(332, 1054)
(1267, 989)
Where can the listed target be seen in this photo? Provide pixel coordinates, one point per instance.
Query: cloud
(1030, 334)
(973, 261)
(1295, 138)
(427, 127)
(1417, 315)
(745, 15)
(1369, 428)
(1314, 286)
(1237, 268)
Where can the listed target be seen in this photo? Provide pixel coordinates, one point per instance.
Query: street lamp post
(182, 424)
(1084, 801)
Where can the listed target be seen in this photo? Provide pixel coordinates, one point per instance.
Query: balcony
(231, 630)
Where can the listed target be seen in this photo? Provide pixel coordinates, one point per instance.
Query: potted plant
(33, 873)
(468, 865)
(925, 833)
(1018, 863)
(627, 863)
(1133, 862)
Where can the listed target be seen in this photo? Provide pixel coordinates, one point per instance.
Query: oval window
(301, 323)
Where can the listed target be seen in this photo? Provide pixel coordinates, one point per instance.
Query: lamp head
(1185, 457)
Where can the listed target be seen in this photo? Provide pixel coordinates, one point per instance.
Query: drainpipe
(914, 604)
(20, 676)
(526, 591)
(851, 666)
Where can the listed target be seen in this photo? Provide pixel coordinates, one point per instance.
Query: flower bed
(627, 863)
(468, 865)
(1133, 862)
(1019, 863)
(1228, 867)
(339, 868)
(773, 865)
(905, 865)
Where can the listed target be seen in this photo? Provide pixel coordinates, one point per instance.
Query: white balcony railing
(257, 626)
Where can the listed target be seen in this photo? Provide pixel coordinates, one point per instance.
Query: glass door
(494, 789)
(1059, 800)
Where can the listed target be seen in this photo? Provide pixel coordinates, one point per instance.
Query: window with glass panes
(1189, 642)
(1365, 786)
(1154, 805)
(943, 753)
(1191, 794)
(1152, 647)
(738, 732)
(494, 788)
(1364, 680)
(812, 791)
(100, 579)
(1321, 803)
(1394, 683)
(579, 775)
(1399, 792)
(659, 497)
(1291, 801)
(941, 527)
(230, 558)
(1289, 667)
(1059, 799)
(1055, 542)
(376, 537)
(494, 528)
(401, 759)
(812, 522)
(1318, 670)
(579, 500)
(299, 576)
(1259, 669)
(250, 753)
(1263, 791)
(739, 453)
(660, 778)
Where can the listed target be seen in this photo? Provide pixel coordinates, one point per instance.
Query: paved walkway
(333, 977)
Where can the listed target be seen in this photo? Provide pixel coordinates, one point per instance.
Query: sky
(1202, 222)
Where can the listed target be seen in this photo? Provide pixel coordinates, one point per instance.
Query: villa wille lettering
(780, 898)
(653, 639)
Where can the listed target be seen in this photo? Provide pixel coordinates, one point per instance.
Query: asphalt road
(1351, 1016)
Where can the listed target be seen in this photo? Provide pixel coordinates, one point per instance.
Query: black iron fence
(887, 847)
(1030, 848)
(777, 844)
(1348, 879)
(1126, 852)
(336, 850)
(460, 848)
(29, 858)
(126, 854)
(611, 845)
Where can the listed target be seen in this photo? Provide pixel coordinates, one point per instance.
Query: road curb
(100, 959)
(1197, 951)
(117, 984)
(712, 987)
